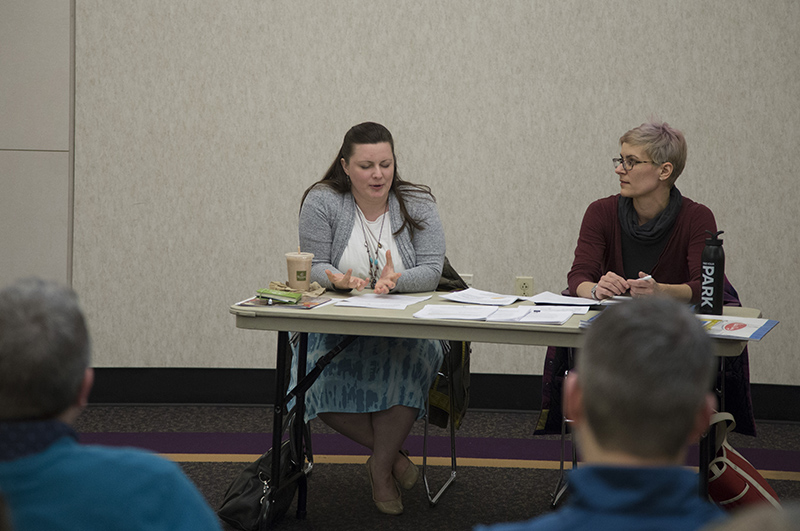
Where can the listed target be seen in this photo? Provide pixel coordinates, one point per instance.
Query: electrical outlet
(524, 287)
(467, 278)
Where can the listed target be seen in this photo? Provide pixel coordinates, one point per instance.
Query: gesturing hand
(346, 281)
(388, 279)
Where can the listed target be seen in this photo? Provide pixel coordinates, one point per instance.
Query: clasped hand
(384, 284)
(612, 284)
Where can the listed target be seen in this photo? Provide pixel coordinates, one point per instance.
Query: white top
(355, 254)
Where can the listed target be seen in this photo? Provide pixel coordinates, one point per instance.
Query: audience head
(44, 351)
(642, 382)
(661, 143)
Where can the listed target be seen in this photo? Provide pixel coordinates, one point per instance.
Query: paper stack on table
(452, 311)
(532, 314)
(567, 307)
(476, 296)
(522, 314)
(382, 302)
(548, 297)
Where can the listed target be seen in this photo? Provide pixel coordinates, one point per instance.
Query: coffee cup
(299, 267)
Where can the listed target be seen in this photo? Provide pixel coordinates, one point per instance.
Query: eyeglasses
(627, 164)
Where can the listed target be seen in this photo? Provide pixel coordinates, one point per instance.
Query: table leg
(283, 396)
(299, 428)
(722, 384)
(705, 447)
(708, 443)
(278, 408)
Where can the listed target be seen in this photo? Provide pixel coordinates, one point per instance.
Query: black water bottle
(713, 275)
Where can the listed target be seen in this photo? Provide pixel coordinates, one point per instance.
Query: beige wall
(35, 202)
(199, 124)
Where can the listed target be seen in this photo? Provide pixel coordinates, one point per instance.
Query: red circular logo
(731, 327)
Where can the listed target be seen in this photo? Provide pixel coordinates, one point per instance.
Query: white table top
(334, 319)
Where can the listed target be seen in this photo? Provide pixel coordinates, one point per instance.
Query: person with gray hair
(640, 394)
(48, 479)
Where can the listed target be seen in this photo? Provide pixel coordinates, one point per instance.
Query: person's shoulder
(692, 210)
(603, 206)
(144, 477)
(324, 197)
(694, 206)
(69, 458)
(607, 201)
(103, 476)
(124, 460)
(322, 192)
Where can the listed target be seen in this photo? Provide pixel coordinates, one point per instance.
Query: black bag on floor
(246, 505)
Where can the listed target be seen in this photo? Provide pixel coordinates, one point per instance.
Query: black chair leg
(433, 499)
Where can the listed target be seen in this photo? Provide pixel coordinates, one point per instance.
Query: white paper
(476, 296)
(547, 317)
(616, 299)
(452, 311)
(548, 297)
(731, 327)
(381, 302)
(541, 315)
(510, 314)
(578, 310)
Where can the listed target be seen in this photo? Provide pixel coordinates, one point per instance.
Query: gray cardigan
(327, 219)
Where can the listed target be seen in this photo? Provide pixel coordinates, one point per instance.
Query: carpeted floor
(504, 472)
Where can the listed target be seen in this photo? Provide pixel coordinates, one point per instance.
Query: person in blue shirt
(638, 397)
(48, 479)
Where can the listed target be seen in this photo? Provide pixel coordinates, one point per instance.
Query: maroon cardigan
(600, 250)
(599, 247)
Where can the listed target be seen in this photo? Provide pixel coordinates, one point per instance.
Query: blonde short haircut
(661, 143)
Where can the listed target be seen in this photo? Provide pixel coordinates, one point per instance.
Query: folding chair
(561, 486)
(455, 366)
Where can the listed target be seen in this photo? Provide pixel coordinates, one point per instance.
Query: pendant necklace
(374, 269)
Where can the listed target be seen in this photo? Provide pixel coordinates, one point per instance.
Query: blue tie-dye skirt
(371, 374)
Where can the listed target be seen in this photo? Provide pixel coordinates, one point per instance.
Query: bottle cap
(714, 239)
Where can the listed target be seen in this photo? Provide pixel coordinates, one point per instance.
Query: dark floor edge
(257, 387)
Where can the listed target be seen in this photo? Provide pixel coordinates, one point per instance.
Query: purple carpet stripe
(491, 448)
(762, 459)
(323, 443)
(786, 460)
(438, 446)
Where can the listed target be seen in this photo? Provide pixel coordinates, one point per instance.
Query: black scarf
(655, 228)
